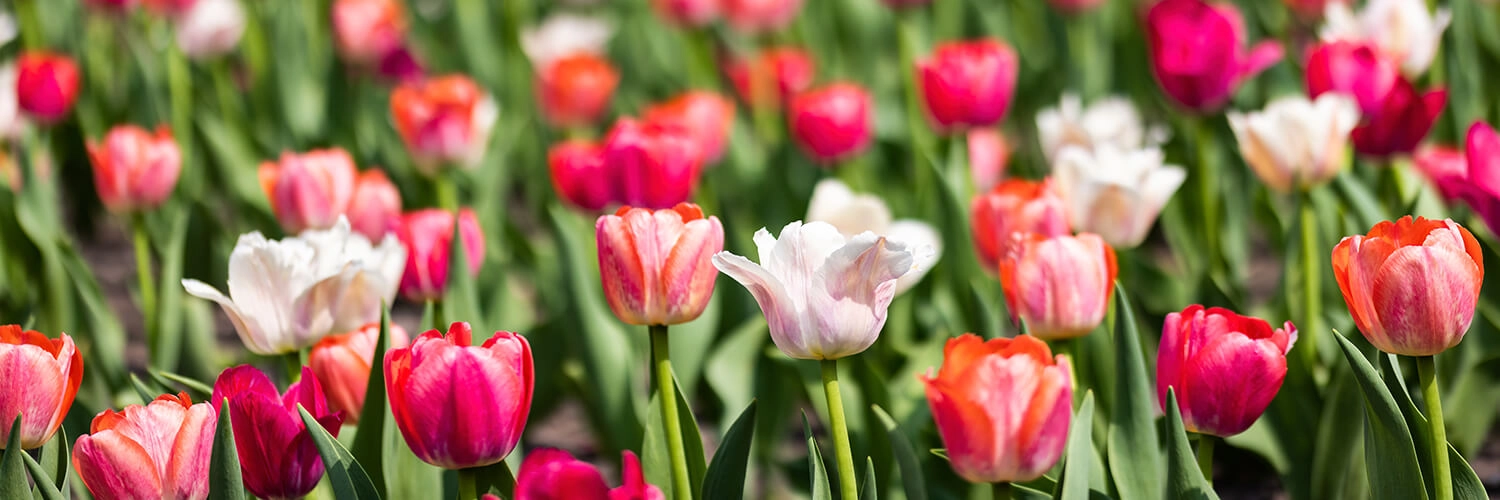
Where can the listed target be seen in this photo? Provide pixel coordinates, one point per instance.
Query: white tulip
(210, 28)
(11, 119)
(1296, 142)
(561, 35)
(1402, 29)
(286, 295)
(1115, 193)
(853, 213)
(1110, 121)
(824, 297)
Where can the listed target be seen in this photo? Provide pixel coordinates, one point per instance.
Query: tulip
(824, 296)
(832, 122)
(135, 169)
(574, 91)
(309, 190)
(687, 13)
(988, 154)
(1356, 69)
(46, 85)
(1014, 206)
(444, 120)
(366, 30)
(851, 213)
(634, 485)
(210, 28)
(578, 176)
(564, 35)
(1411, 285)
(277, 456)
(552, 474)
(772, 76)
(1002, 407)
(655, 264)
(376, 205)
(651, 166)
(342, 364)
(11, 118)
(968, 84)
(1058, 285)
(1296, 142)
(1223, 367)
(287, 294)
(1403, 120)
(427, 235)
(155, 451)
(1198, 52)
(1446, 168)
(401, 66)
(458, 405)
(759, 16)
(1112, 121)
(1114, 193)
(706, 116)
(1403, 30)
(42, 377)
(1479, 184)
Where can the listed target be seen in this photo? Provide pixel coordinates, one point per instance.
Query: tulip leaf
(147, 395)
(1390, 452)
(820, 488)
(348, 479)
(654, 451)
(369, 441)
(1465, 481)
(44, 486)
(1134, 461)
(1078, 466)
(12, 471)
(1340, 427)
(1184, 477)
(224, 479)
(55, 460)
(867, 491)
(726, 475)
(912, 480)
(169, 311)
(198, 390)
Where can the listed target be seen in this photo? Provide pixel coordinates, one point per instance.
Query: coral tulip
(552, 474)
(651, 166)
(342, 364)
(376, 205)
(367, 30)
(444, 120)
(428, 235)
(575, 90)
(772, 76)
(655, 264)
(832, 122)
(46, 85)
(968, 84)
(1115, 193)
(1198, 52)
(1059, 285)
(277, 456)
(1014, 206)
(42, 376)
(578, 175)
(706, 116)
(309, 190)
(1296, 142)
(135, 169)
(1223, 367)
(759, 16)
(148, 452)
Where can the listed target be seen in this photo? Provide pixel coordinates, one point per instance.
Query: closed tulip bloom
(1411, 285)
(969, 83)
(277, 456)
(1355, 69)
(575, 90)
(46, 85)
(135, 169)
(832, 122)
(578, 176)
(1014, 206)
(342, 364)
(552, 474)
(366, 30)
(1112, 121)
(287, 294)
(759, 16)
(376, 205)
(428, 235)
(688, 13)
(706, 116)
(1446, 168)
(1059, 285)
(824, 296)
(1002, 407)
(1403, 120)
(149, 452)
(459, 405)
(1223, 367)
(655, 264)
(649, 165)
(773, 76)
(1479, 184)
(210, 28)
(989, 152)
(1115, 193)
(445, 119)
(309, 190)
(42, 376)
(1199, 54)
(853, 213)
(1296, 142)
(1403, 30)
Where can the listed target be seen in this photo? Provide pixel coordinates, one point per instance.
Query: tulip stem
(147, 284)
(292, 362)
(847, 486)
(447, 193)
(906, 41)
(1312, 286)
(1441, 476)
(1206, 457)
(667, 395)
(1002, 491)
(1208, 190)
(467, 484)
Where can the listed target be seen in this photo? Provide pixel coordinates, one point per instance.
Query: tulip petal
(687, 276)
(34, 387)
(783, 316)
(553, 474)
(1233, 378)
(1421, 294)
(926, 245)
(112, 466)
(186, 474)
(851, 293)
(247, 326)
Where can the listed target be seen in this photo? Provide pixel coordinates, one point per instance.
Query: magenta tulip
(552, 474)
(651, 165)
(1198, 52)
(277, 454)
(428, 236)
(1224, 368)
(968, 84)
(832, 122)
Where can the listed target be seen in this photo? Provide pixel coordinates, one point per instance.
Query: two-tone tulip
(772, 76)
(444, 120)
(1112, 121)
(1296, 142)
(342, 364)
(135, 169)
(459, 405)
(277, 456)
(42, 378)
(655, 266)
(553, 474)
(1198, 52)
(1003, 407)
(969, 83)
(428, 237)
(650, 165)
(832, 122)
(706, 116)
(46, 85)
(1403, 30)
(854, 213)
(158, 450)
(1115, 193)
(1223, 367)
(309, 190)
(365, 31)
(1059, 286)
(759, 16)
(1014, 206)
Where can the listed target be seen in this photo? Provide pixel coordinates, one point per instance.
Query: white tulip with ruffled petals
(853, 213)
(1296, 142)
(1113, 192)
(1109, 121)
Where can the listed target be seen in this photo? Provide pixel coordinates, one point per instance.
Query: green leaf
(1465, 481)
(906, 458)
(867, 491)
(1337, 445)
(461, 300)
(1390, 452)
(1184, 478)
(654, 454)
(199, 390)
(169, 310)
(12, 471)
(1132, 448)
(820, 488)
(146, 394)
(55, 460)
(43, 481)
(726, 475)
(496, 476)
(369, 441)
(1077, 470)
(348, 480)
(1466, 484)
(224, 479)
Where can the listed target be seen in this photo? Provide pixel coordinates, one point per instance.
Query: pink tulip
(1445, 167)
(42, 376)
(376, 205)
(1198, 52)
(655, 265)
(832, 122)
(277, 456)
(1002, 407)
(578, 175)
(649, 165)
(552, 474)
(1223, 367)
(989, 152)
(689, 13)
(1403, 120)
(309, 190)
(148, 452)
(1014, 206)
(367, 30)
(456, 404)
(1058, 285)
(135, 169)
(46, 85)
(427, 235)
(706, 116)
(968, 84)
(759, 16)
(1479, 185)
(1355, 69)
(443, 120)
(574, 90)
(342, 364)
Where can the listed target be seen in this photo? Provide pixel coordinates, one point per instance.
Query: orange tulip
(1014, 206)
(342, 364)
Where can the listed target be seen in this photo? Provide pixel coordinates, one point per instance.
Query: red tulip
(1223, 367)
(759, 16)
(427, 235)
(706, 116)
(552, 474)
(578, 175)
(691, 13)
(342, 364)
(46, 84)
(376, 205)
(1356, 69)
(1198, 52)
(1058, 285)
(773, 76)
(574, 90)
(832, 122)
(443, 120)
(968, 84)
(154, 451)
(1404, 118)
(1014, 206)
(277, 456)
(135, 169)
(655, 264)
(651, 166)
(367, 30)
(456, 404)
(309, 190)
(42, 376)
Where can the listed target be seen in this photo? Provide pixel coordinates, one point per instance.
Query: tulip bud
(578, 175)
(1404, 118)
(1115, 193)
(277, 456)
(134, 169)
(552, 474)
(427, 234)
(575, 90)
(651, 166)
(309, 190)
(1296, 142)
(210, 28)
(833, 122)
(759, 16)
(1411, 285)
(1014, 206)
(1058, 285)
(669, 280)
(1480, 187)
(1002, 407)
(46, 85)
(157, 450)
(443, 120)
(1198, 52)
(42, 376)
(989, 152)
(376, 205)
(366, 30)
(773, 76)
(706, 116)
(1224, 368)
(342, 364)
(687, 13)
(1351, 68)
(459, 405)
(968, 84)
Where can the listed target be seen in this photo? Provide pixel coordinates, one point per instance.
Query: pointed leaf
(369, 441)
(820, 488)
(726, 475)
(1134, 461)
(1078, 467)
(654, 454)
(43, 481)
(1390, 452)
(461, 300)
(912, 481)
(146, 394)
(1466, 483)
(55, 460)
(224, 479)
(1184, 477)
(12, 468)
(198, 390)
(867, 490)
(348, 480)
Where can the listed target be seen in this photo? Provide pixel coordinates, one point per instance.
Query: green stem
(147, 284)
(447, 193)
(1208, 190)
(292, 363)
(665, 393)
(180, 87)
(468, 484)
(702, 70)
(1441, 476)
(1312, 286)
(847, 486)
(1206, 457)
(31, 24)
(507, 479)
(1002, 491)
(916, 121)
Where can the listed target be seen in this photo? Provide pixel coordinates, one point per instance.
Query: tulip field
(770, 249)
